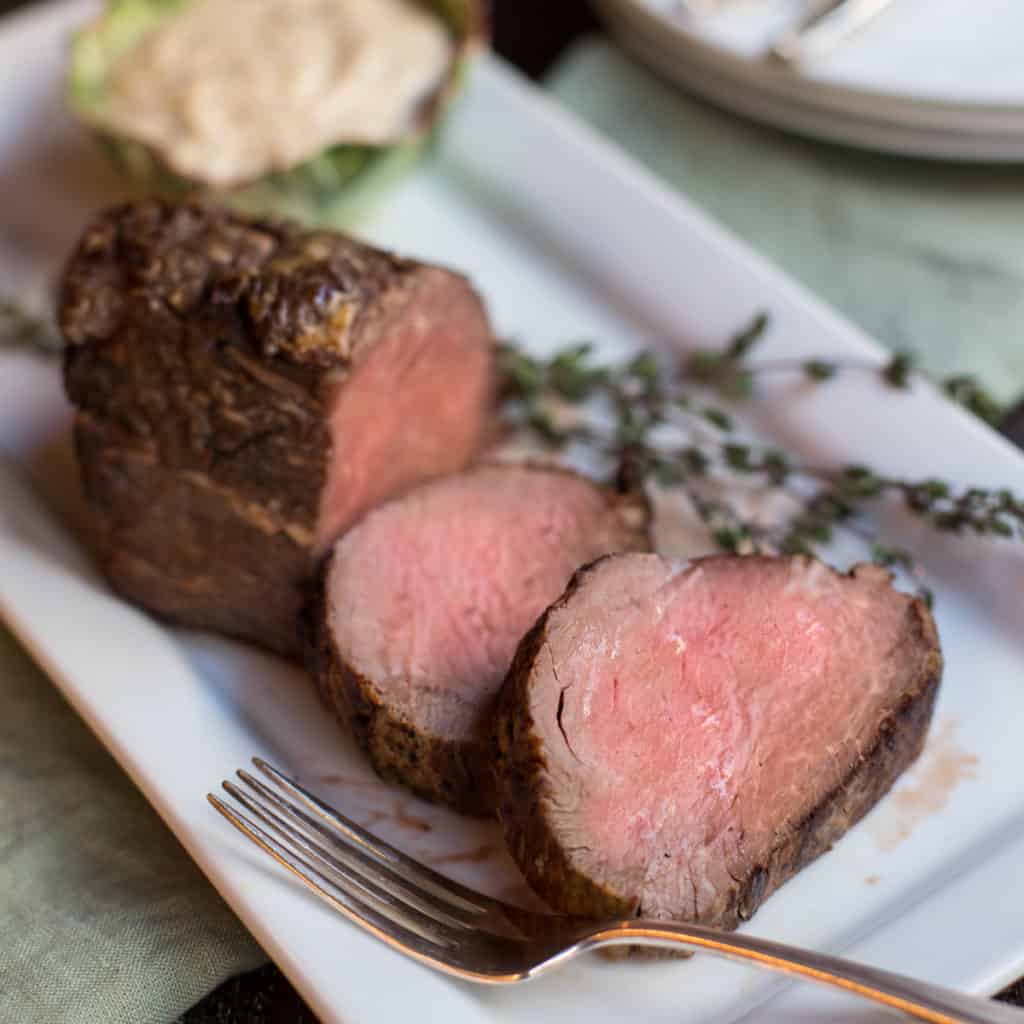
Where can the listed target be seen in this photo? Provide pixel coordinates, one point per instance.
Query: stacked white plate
(934, 78)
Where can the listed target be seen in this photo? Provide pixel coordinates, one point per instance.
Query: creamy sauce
(229, 91)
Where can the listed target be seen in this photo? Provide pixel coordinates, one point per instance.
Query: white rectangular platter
(566, 239)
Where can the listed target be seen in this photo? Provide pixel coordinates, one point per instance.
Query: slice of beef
(677, 740)
(245, 390)
(425, 600)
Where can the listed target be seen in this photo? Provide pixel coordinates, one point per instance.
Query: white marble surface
(922, 255)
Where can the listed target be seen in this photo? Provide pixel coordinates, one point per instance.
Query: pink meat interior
(430, 594)
(414, 407)
(701, 709)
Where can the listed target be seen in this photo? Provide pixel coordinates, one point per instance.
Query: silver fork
(454, 929)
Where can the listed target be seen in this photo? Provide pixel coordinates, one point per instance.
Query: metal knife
(827, 26)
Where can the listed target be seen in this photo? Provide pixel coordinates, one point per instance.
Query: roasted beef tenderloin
(425, 600)
(245, 390)
(675, 741)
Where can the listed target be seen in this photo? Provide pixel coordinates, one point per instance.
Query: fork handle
(917, 999)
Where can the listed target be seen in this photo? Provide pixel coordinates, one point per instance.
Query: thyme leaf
(619, 409)
(22, 329)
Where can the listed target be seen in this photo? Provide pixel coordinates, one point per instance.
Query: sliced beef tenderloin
(246, 389)
(425, 600)
(677, 740)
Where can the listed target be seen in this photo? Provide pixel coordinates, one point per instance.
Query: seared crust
(440, 769)
(204, 350)
(523, 789)
(200, 555)
(435, 768)
(301, 295)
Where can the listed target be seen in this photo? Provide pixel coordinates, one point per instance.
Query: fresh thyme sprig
(632, 413)
(729, 372)
(20, 328)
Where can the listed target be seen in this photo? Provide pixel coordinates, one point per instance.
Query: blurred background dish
(935, 78)
(305, 108)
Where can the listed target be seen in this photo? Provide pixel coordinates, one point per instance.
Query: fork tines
(400, 900)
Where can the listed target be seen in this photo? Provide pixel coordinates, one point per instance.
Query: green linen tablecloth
(103, 918)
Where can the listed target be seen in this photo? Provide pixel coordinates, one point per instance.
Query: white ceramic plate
(923, 67)
(809, 118)
(566, 238)
(956, 53)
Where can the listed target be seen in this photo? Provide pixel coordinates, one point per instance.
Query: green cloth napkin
(104, 919)
(922, 255)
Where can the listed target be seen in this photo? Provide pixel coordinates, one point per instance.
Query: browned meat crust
(203, 351)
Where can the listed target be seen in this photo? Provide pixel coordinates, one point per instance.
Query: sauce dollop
(228, 92)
